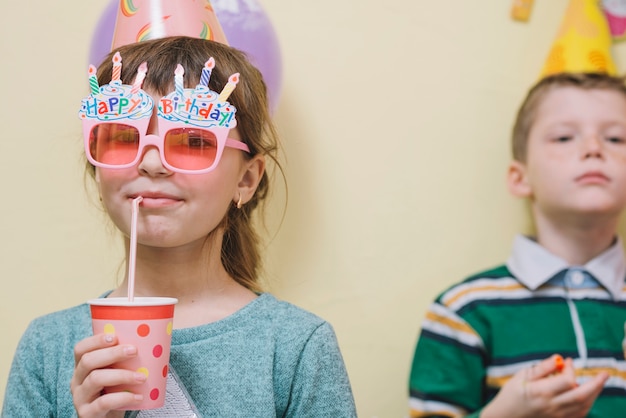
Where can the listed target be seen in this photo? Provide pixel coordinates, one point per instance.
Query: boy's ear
(517, 180)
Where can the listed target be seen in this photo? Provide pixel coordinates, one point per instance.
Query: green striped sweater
(479, 332)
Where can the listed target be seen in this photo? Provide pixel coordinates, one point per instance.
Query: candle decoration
(200, 106)
(178, 80)
(229, 87)
(117, 67)
(141, 74)
(93, 80)
(206, 72)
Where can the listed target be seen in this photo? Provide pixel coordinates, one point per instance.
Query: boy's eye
(615, 139)
(563, 138)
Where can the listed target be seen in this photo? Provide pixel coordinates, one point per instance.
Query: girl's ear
(249, 181)
(517, 180)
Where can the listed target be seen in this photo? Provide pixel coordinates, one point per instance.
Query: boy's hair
(528, 110)
(240, 245)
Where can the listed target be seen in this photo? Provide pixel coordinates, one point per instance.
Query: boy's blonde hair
(528, 110)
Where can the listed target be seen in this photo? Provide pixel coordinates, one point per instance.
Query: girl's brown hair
(528, 110)
(240, 245)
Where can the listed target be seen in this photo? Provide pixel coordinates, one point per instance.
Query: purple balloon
(103, 34)
(245, 24)
(248, 28)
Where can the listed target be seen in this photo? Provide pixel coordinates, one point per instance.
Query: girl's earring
(239, 203)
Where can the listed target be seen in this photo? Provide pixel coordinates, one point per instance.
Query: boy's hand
(546, 390)
(93, 357)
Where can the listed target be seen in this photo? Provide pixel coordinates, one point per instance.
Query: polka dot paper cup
(145, 323)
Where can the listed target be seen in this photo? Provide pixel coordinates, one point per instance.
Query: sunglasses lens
(114, 143)
(190, 149)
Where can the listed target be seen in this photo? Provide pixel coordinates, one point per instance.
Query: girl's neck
(195, 276)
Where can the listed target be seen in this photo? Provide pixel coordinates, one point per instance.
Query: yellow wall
(395, 118)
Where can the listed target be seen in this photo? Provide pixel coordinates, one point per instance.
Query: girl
(236, 351)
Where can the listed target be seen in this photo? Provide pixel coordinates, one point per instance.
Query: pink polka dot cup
(145, 323)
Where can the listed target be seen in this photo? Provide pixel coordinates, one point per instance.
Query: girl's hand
(546, 391)
(93, 357)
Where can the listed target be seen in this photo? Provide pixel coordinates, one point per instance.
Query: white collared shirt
(533, 266)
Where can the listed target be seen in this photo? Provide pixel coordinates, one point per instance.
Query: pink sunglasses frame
(145, 140)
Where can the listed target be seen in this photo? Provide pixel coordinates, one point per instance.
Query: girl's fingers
(112, 377)
(91, 388)
(93, 343)
(101, 406)
(92, 373)
(94, 357)
(88, 345)
(102, 358)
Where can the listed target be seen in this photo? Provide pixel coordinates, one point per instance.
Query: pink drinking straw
(133, 248)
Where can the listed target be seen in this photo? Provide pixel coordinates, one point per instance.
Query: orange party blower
(559, 363)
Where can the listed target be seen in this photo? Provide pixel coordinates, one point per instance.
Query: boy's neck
(578, 241)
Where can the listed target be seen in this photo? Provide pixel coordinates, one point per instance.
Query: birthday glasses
(183, 148)
(193, 123)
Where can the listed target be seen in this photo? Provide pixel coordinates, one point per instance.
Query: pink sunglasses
(183, 148)
(193, 123)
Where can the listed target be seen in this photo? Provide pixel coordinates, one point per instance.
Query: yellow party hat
(583, 43)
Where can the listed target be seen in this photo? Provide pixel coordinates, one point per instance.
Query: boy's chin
(596, 210)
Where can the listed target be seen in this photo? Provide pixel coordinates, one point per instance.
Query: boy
(493, 345)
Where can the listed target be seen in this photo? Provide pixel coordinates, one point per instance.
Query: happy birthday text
(197, 108)
(117, 105)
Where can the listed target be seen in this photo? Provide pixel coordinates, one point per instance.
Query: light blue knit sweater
(270, 359)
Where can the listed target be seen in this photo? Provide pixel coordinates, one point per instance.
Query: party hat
(583, 43)
(141, 20)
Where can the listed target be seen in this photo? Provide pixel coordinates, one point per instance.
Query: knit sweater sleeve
(321, 386)
(26, 392)
(43, 364)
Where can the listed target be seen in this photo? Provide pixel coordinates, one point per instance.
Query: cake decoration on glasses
(193, 123)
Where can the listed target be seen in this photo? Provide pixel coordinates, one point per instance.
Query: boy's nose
(592, 146)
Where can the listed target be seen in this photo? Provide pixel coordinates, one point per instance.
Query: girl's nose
(150, 163)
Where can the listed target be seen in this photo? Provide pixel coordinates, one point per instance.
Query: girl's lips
(156, 200)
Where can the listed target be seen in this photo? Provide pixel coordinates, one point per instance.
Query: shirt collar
(533, 265)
